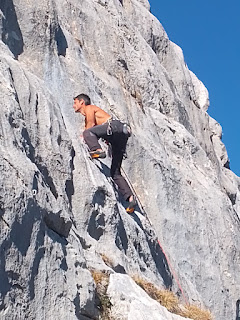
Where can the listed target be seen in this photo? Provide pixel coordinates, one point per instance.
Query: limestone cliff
(60, 214)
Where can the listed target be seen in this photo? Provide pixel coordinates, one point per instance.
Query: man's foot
(131, 205)
(98, 154)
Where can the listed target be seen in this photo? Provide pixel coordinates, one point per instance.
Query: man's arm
(90, 119)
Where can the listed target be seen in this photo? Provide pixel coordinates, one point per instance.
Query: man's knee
(116, 175)
(87, 134)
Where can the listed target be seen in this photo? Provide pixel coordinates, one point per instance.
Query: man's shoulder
(91, 107)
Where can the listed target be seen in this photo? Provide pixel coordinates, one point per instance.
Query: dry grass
(170, 301)
(99, 277)
(165, 297)
(195, 313)
(106, 260)
(103, 302)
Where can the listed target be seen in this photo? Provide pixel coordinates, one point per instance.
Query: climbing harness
(165, 255)
(126, 127)
(109, 129)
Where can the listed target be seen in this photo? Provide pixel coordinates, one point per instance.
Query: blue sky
(208, 31)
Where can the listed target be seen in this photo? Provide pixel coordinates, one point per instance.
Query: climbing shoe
(131, 205)
(98, 154)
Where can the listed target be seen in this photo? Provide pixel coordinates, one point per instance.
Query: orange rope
(173, 273)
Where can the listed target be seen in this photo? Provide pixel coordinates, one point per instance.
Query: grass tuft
(165, 297)
(195, 313)
(170, 301)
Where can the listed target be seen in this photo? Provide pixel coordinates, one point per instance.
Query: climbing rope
(165, 255)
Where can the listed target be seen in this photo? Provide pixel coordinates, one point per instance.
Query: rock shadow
(161, 263)
(184, 118)
(69, 186)
(61, 41)
(121, 239)
(96, 225)
(11, 32)
(104, 169)
(99, 197)
(238, 310)
(156, 252)
(20, 237)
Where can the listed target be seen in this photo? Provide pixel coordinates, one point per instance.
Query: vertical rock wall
(60, 213)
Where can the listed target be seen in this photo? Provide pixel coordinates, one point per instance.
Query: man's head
(80, 102)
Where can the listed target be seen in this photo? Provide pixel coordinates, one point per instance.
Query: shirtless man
(99, 124)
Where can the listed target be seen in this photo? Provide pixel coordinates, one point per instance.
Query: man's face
(78, 105)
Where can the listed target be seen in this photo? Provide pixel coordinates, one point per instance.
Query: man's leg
(118, 149)
(91, 137)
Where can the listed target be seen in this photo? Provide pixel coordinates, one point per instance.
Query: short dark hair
(84, 97)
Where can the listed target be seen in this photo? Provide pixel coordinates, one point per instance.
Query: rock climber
(99, 124)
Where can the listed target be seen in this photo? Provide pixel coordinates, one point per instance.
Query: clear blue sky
(208, 31)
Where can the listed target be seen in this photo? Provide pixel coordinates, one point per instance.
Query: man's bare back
(95, 116)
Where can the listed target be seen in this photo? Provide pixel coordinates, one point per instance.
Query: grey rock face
(130, 302)
(60, 213)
